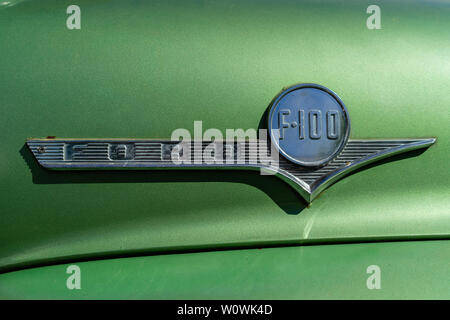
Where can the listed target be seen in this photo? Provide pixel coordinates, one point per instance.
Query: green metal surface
(309, 272)
(141, 69)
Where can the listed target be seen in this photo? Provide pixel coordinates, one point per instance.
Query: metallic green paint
(309, 272)
(141, 69)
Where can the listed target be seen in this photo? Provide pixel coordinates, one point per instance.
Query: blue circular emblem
(308, 124)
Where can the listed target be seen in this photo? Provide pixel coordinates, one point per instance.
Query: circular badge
(308, 124)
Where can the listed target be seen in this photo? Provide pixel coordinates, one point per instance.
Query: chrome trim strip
(71, 154)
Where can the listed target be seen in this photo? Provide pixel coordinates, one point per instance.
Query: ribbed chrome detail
(354, 150)
(153, 154)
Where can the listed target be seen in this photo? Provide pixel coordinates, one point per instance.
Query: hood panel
(141, 70)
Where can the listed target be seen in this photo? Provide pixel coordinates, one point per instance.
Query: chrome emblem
(308, 125)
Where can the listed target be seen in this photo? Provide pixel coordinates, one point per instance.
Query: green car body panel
(303, 272)
(141, 69)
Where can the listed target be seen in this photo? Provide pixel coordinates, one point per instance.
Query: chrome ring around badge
(308, 124)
